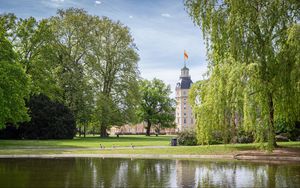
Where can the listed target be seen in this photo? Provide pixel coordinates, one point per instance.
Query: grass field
(122, 145)
(90, 142)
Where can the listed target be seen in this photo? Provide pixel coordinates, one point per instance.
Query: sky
(161, 29)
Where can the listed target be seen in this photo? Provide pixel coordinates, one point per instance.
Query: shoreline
(237, 157)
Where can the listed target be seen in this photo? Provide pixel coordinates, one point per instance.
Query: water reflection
(86, 172)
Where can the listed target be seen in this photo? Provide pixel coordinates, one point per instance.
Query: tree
(14, 85)
(71, 29)
(156, 107)
(112, 66)
(253, 36)
(32, 42)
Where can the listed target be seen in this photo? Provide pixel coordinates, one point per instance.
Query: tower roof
(185, 81)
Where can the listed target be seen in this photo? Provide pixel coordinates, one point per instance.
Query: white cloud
(166, 15)
(53, 3)
(98, 2)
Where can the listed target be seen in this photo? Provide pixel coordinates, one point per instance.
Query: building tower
(184, 117)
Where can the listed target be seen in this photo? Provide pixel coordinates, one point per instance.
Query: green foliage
(156, 107)
(244, 136)
(112, 66)
(71, 40)
(187, 138)
(253, 48)
(49, 120)
(86, 62)
(14, 85)
(32, 40)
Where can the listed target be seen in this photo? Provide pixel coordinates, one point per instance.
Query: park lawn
(89, 142)
(168, 150)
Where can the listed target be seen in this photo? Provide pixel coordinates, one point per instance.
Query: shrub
(49, 120)
(187, 138)
(291, 130)
(9, 132)
(244, 137)
(217, 138)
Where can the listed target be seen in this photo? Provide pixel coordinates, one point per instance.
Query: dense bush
(49, 120)
(289, 130)
(217, 137)
(187, 138)
(9, 132)
(244, 137)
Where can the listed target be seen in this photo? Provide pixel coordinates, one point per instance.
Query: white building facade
(184, 117)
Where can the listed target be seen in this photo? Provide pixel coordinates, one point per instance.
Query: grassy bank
(90, 142)
(122, 145)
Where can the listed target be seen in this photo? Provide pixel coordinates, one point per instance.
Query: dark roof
(184, 83)
(184, 68)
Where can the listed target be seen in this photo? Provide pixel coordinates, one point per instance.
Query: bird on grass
(102, 147)
(132, 146)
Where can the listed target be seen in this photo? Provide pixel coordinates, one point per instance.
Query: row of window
(183, 114)
(184, 120)
(184, 93)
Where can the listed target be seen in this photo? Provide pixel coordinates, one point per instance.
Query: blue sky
(161, 29)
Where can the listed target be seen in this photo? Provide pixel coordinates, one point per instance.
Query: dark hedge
(49, 120)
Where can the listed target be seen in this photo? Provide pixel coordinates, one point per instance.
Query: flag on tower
(185, 55)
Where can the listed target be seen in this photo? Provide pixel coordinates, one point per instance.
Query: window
(184, 114)
(184, 120)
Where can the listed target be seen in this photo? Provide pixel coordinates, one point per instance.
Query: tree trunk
(148, 128)
(271, 131)
(103, 132)
(79, 131)
(84, 130)
(233, 129)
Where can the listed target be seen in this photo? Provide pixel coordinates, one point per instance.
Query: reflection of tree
(96, 172)
(145, 173)
(217, 173)
(236, 174)
(271, 173)
(36, 172)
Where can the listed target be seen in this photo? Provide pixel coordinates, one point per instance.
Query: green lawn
(89, 142)
(90, 145)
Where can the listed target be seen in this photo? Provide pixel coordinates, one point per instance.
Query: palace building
(184, 117)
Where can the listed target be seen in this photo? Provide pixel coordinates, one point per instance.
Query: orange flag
(185, 55)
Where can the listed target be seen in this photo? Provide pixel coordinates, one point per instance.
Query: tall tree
(253, 35)
(14, 85)
(156, 107)
(32, 40)
(112, 66)
(71, 28)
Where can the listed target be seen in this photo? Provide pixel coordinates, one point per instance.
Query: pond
(112, 172)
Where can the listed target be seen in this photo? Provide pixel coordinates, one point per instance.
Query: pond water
(111, 172)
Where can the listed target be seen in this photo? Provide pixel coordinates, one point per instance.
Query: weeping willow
(254, 70)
